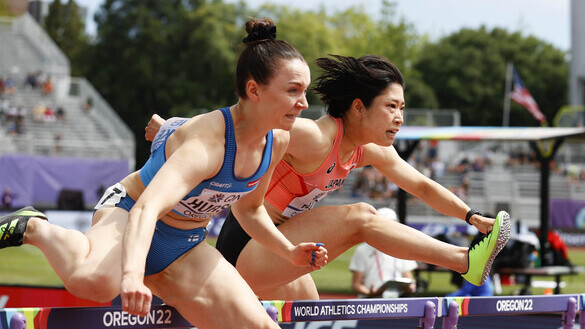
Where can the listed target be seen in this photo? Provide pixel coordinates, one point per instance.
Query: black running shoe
(12, 226)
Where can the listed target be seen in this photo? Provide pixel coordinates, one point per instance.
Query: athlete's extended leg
(88, 264)
(209, 292)
(301, 288)
(341, 227)
(13, 226)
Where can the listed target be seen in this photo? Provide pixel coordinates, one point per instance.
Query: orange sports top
(293, 193)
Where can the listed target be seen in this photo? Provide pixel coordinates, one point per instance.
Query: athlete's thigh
(302, 288)
(105, 238)
(335, 226)
(263, 269)
(202, 282)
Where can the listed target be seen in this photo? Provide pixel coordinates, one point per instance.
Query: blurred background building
(577, 72)
(61, 140)
(56, 150)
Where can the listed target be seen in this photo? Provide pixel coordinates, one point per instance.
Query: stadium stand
(97, 134)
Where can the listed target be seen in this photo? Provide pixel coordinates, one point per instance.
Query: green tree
(175, 57)
(4, 8)
(352, 32)
(66, 27)
(307, 31)
(467, 72)
(402, 45)
(166, 57)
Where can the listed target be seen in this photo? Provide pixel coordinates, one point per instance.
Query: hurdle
(427, 310)
(581, 309)
(162, 316)
(567, 305)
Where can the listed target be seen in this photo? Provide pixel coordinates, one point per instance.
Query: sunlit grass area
(337, 278)
(27, 265)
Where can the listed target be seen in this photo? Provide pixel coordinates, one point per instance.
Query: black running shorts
(232, 239)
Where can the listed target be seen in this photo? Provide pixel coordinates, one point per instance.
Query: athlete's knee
(365, 208)
(361, 213)
(300, 288)
(96, 287)
(363, 217)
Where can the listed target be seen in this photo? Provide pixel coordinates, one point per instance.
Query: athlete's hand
(153, 127)
(309, 254)
(136, 297)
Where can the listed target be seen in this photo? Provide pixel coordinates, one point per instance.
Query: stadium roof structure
(545, 141)
(510, 134)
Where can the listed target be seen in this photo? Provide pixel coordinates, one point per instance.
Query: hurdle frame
(426, 309)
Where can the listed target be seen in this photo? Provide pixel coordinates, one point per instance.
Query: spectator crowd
(13, 116)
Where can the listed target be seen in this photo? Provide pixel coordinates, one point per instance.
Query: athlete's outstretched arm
(401, 173)
(252, 215)
(254, 218)
(171, 183)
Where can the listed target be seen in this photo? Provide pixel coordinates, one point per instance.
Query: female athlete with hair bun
(365, 103)
(149, 229)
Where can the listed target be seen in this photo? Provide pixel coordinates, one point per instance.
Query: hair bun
(262, 32)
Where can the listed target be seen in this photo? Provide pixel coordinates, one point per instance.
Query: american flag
(521, 96)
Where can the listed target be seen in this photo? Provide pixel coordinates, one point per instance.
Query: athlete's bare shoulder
(308, 135)
(310, 143)
(304, 126)
(280, 140)
(328, 127)
(281, 137)
(210, 123)
(208, 128)
(378, 155)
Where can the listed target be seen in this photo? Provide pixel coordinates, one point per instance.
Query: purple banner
(112, 317)
(160, 316)
(515, 305)
(38, 179)
(350, 309)
(567, 213)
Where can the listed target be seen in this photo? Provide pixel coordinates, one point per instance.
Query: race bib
(206, 204)
(305, 202)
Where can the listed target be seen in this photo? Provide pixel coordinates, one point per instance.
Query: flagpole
(506, 114)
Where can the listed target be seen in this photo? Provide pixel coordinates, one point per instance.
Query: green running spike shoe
(12, 226)
(482, 252)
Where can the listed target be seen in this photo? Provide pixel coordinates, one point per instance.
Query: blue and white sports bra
(214, 194)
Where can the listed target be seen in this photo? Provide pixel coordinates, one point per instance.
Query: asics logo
(330, 169)
(193, 238)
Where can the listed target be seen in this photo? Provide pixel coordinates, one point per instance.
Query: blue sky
(548, 20)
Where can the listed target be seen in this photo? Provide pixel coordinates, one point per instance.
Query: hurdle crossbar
(426, 309)
(163, 316)
(568, 305)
